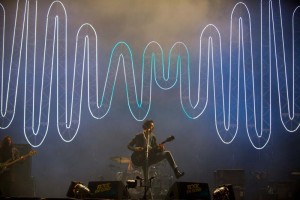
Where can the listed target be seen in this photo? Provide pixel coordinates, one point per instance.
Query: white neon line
(139, 102)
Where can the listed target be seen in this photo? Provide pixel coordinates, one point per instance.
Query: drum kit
(161, 172)
(124, 174)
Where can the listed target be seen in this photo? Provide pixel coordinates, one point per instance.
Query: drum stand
(147, 187)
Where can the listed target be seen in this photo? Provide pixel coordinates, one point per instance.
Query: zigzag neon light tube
(241, 74)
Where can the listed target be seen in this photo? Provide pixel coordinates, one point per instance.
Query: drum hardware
(158, 182)
(121, 159)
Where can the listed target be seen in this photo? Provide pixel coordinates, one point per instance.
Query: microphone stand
(147, 184)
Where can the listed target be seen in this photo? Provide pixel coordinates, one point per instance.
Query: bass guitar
(138, 158)
(5, 165)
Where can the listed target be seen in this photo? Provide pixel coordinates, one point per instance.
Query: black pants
(6, 182)
(156, 158)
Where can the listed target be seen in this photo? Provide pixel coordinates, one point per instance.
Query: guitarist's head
(6, 142)
(148, 125)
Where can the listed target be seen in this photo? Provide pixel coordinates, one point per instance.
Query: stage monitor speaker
(189, 190)
(108, 190)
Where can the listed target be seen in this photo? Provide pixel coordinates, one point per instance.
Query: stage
(228, 185)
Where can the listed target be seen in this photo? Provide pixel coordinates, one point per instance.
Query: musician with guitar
(8, 153)
(155, 152)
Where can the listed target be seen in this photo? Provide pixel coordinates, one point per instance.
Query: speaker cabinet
(24, 188)
(23, 183)
(236, 177)
(283, 190)
(108, 189)
(189, 190)
(23, 169)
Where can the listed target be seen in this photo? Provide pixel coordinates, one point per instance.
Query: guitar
(138, 158)
(5, 165)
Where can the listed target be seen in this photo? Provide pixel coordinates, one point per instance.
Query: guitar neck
(169, 139)
(15, 161)
(19, 159)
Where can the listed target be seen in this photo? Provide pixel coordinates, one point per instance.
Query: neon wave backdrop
(240, 71)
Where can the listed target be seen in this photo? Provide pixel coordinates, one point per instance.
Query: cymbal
(121, 159)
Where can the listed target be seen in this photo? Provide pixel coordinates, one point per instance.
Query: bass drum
(138, 192)
(119, 176)
(128, 175)
(132, 174)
